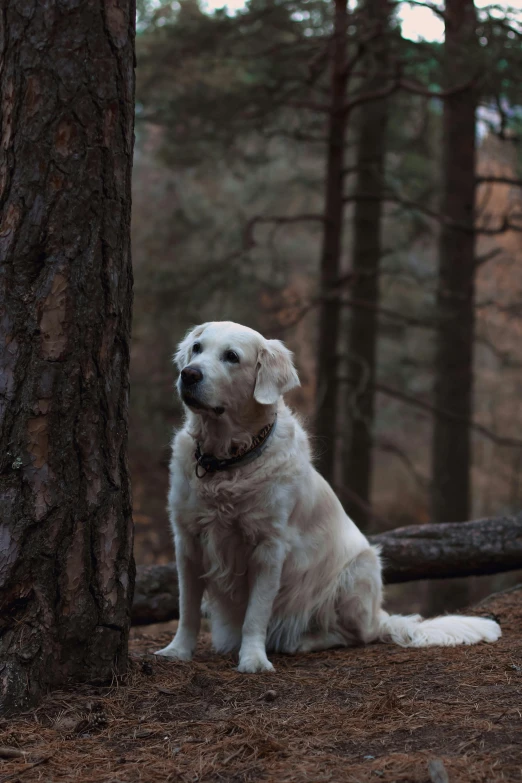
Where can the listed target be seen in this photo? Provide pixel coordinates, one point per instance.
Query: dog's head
(224, 367)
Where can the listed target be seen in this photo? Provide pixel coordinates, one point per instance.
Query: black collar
(208, 463)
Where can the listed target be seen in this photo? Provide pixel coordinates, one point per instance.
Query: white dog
(258, 528)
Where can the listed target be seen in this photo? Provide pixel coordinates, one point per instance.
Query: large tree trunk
(66, 567)
(451, 461)
(456, 549)
(366, 258)
(329, 312)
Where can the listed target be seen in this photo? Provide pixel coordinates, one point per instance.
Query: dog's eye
(231, 356)
(196, 348)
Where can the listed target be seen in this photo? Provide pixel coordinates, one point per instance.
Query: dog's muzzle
(191, 376)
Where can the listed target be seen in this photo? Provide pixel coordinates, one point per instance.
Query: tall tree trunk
(366, 259)
(66, 567)
(327, 348)
(451, 463)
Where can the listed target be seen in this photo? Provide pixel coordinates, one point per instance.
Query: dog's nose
(190, 376)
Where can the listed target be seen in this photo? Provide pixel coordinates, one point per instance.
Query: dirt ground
(379, 713)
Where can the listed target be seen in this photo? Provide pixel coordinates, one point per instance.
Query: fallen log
(155, 594)
(485, 546)
(455, 549)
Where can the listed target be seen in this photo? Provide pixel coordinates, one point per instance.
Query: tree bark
(329, 312)
(455, 549)
(66, 566)
(451, 448)
(366, 259)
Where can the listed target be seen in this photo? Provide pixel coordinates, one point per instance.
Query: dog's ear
(184, 349)
(276, 373)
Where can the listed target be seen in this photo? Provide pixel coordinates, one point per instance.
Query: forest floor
(379, 713)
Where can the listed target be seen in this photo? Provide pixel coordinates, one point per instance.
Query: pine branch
(431, 6)
(410, 86)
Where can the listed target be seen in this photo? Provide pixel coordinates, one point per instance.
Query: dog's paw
(254, 661)
(175, 652)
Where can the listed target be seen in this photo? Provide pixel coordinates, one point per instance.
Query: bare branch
(504, 357)
(485, 257)
(407, 204)
(392, 448)
(433, 409)
(410, 320)
(418, 89)
(280, 220)
(503, 228)
(494, 180)
(349, 494)
(374, 95)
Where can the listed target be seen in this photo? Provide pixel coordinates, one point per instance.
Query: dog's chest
(228, 525)
(227, 507)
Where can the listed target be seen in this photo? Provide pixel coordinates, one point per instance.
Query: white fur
(284, 568)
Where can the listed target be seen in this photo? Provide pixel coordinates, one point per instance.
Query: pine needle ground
(379, 713)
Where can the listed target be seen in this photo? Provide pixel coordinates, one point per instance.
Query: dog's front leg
(191, 586)
(264, 576)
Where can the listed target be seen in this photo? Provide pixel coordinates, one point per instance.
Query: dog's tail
(447, 631)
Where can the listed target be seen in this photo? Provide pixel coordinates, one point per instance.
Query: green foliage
(211, 78)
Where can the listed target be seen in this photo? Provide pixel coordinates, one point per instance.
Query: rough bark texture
(366, 258)
(327, 348)
(452, 457)
(486, 546)
(66, 568)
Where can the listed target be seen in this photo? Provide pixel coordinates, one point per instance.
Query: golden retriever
(259, 530)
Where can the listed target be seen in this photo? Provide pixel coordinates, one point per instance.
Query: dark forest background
(302, 168)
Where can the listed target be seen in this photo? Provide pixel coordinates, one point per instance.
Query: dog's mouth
(195, 404)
